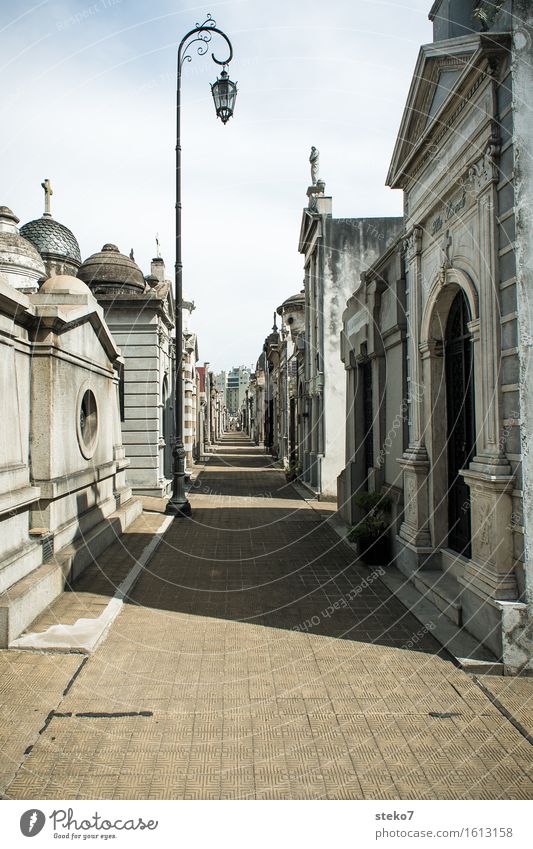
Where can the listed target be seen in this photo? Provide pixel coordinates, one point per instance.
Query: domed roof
(109, 269)
(298, 298)
(8, 214)
(292, 302)
(18, 257)
(64, 283)
(51, 237)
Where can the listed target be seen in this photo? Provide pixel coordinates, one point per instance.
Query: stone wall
(373, 337)
(522, 73)
(141, 329)
(350, 247)
(63, 459)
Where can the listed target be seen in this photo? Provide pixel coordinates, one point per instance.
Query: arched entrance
(459, 367)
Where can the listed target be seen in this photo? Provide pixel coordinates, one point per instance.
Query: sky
(88, 91)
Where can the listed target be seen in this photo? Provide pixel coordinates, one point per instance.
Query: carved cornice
(433, 143)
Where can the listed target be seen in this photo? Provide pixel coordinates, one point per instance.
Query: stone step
(21, 603)
(442, 590)
(471, 655)
(20, 563)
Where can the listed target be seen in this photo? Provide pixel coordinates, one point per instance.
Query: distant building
(257, 390)
(238, 380)
(221, 382)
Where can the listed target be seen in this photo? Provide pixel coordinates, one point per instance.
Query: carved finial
(48, 192)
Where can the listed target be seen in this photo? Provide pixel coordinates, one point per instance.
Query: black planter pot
(374, 551)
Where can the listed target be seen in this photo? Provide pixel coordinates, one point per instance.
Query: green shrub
(292, 471)
(375, 506)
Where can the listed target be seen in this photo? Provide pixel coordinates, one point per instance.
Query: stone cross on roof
(48, 192)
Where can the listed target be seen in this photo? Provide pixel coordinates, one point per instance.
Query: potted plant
(370, 533)
(292, 471)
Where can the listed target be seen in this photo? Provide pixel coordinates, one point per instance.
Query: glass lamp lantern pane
(232, 96)
(224, 95)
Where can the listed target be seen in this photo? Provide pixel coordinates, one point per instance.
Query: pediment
(440, 71)
(310, 220)
(64, 319)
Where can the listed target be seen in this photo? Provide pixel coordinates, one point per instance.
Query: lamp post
(224, 93)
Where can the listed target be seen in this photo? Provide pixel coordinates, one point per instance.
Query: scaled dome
(109, 270)
(51, 237)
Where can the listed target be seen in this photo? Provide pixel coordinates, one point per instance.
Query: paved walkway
(256, 659)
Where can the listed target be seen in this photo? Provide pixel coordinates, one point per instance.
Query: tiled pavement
(256, 659)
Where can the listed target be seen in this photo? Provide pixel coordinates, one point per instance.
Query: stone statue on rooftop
(314, 160)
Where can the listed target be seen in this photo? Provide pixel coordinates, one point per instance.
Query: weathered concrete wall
(351, 246)
(455, 18)
(78, 478)
(18, 554)
(522, 70)
(63, 453)
(374, 334)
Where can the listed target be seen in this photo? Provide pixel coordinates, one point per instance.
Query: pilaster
(414, 531)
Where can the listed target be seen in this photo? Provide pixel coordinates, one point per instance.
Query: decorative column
(489, 478)
(374, 291)
(483, 177)
(414, 531)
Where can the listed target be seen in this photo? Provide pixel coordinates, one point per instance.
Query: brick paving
(31, 685)
(257, 659)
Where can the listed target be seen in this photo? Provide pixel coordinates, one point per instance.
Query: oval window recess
(87, 423)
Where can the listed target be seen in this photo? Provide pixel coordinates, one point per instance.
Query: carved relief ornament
(486, 169)
(410, 500)
(412, 244)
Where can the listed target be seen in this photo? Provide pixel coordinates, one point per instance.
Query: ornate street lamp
(224, 94)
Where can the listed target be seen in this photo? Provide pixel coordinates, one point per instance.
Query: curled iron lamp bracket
(202, 35)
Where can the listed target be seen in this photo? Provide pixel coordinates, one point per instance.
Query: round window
(87, 424)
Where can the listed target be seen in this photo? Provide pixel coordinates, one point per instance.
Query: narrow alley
(254, 658)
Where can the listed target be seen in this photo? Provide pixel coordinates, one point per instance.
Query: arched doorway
(459, 368)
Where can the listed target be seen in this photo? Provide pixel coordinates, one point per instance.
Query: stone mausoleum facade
(336, 251)
(140, 314)
(463, 160)
(373, 350)
(63, 490)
